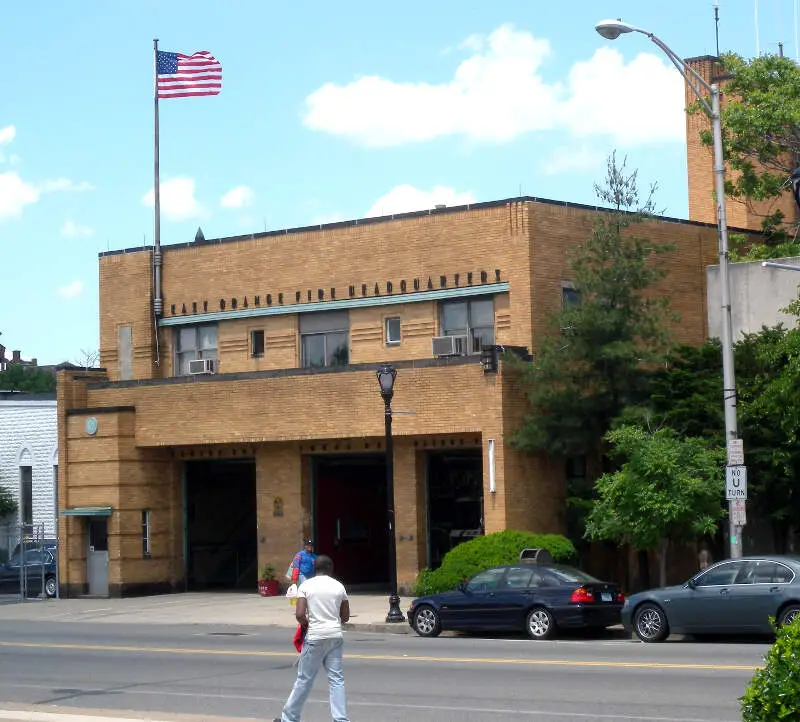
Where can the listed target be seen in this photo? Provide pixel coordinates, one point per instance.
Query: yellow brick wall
(530, 243)
(107, 469)
(279, 476)
(556, 231)
(126, 291)
(446, 399)
(700, 167)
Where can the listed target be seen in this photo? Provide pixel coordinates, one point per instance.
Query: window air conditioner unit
(449, 345)
(201, 366)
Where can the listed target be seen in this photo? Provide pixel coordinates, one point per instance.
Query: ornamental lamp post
(386, 375)
(611, 30)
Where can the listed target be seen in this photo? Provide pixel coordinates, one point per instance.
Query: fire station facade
(248, 416)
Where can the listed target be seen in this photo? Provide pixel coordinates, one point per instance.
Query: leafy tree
(583, 378)
(768, 364)
(597, 359)
(687, 397)
(8, 505)
(668, 488)
(761, 135)
(31, 379)
(686, 394)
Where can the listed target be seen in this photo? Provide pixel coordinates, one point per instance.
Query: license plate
(605, 596)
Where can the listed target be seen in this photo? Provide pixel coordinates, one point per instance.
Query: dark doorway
(221, 525)
(455, 501)
(350, 517)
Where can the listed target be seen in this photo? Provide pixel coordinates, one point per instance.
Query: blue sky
(327, 112)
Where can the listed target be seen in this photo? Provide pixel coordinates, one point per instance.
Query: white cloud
(498, 93)
(66, 185)
(238, 197)
(73, 290)
(406, 198)
(15, 194)
(7, 134)
(572, 159)
(177, 200)
(70, 229)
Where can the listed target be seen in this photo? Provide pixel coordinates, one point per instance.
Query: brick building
(741, 214)
(249, 416)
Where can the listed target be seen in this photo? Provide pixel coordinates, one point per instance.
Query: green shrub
(774, 691)
(8, 504)
(469, 558)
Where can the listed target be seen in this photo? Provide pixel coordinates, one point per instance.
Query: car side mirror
(462, 587)
(691, 584)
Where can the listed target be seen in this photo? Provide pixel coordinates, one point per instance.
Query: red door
(351, 519)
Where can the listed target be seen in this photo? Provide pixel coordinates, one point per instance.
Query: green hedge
(774, 692)
(469, 558)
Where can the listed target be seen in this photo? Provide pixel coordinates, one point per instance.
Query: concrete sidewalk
(367, 611)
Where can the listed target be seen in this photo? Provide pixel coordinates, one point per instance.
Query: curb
(381, 627)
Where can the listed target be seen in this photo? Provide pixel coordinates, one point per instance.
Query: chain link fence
(27, 563)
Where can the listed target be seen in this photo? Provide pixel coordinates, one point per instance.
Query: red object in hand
(295, 574)
(299, 637)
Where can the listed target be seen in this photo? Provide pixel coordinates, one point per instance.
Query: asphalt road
(247, 672)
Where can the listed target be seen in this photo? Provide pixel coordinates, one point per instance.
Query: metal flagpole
(157, 302)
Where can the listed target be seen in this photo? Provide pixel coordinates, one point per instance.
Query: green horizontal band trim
(87, 511)
(368, 302)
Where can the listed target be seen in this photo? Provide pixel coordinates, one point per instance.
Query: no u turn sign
(735, 482)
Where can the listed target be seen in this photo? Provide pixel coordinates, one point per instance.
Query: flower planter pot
(268, 587)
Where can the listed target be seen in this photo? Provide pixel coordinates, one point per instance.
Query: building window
(193, 343)
(146, 532)
(125, 352)
(472, 318)
(393, 330)
(257, 343)
(576, 467)
(26, 494)
(570, 298)
(324, 339)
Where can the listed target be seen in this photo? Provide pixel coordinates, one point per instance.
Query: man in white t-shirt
(322, 608)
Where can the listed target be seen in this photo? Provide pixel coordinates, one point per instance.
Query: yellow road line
(386, 657)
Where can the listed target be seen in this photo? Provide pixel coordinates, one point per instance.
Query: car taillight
(581, 595)
(621, 597)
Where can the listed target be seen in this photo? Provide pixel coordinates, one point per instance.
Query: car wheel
(540, 624)
(50, 588)
(789, 614)
(427, 622)
(650, 623)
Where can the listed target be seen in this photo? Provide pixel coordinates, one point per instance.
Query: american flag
(182, 76)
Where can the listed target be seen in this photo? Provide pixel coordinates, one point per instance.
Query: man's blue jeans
(319, 653)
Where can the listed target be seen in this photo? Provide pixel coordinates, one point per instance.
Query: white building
(29, 456)
(757, 296)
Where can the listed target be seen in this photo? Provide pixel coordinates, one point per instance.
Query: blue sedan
(735, 596)
(540, 599)
(28, 572)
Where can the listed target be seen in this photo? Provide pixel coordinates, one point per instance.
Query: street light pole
(611, 30)
(386, 375)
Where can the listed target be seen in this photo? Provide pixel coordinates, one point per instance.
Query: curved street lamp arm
(686, 70)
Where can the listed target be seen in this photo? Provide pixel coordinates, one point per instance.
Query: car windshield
(569, 574)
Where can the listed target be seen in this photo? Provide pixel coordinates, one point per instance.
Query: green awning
(87, 511)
